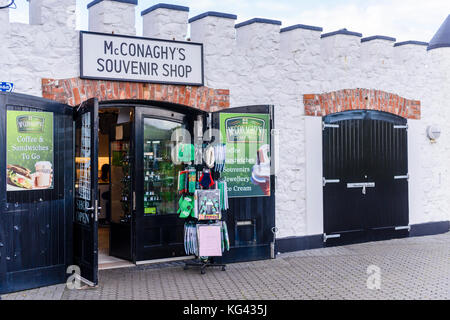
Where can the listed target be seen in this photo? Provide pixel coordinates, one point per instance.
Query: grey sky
(403, 19)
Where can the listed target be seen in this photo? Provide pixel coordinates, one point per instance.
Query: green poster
(29, 150)
(247, 166)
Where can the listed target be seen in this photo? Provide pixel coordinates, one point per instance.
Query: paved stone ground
(45, 293)
(414, 268)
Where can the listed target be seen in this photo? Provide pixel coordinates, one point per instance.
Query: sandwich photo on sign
(18, 176)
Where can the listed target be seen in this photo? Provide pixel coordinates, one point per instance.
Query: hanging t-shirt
(186, 152)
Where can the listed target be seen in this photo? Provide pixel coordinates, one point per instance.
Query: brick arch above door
(321, 105)
(73, 91)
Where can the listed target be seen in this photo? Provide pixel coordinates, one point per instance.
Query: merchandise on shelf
(206, 180)
(159, 178)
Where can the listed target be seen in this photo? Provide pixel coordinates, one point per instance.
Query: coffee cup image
(43, 175)
(261, 169)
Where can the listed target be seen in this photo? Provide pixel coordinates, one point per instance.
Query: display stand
(209, 263)
(206, 262)
(207, 224)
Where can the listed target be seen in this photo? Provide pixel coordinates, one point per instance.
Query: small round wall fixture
(433, 133)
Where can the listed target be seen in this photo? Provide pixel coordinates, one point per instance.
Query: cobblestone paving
(414, 268)
(45, 293)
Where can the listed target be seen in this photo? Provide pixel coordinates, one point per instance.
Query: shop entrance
(107, 194)
(115, 186)
(365, 169)
(137, 187)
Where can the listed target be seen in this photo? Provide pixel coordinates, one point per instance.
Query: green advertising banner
(29, 137)
(247, 166)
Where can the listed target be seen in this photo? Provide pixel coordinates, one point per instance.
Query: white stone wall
(260, 65)
(4, 41)
(47, 48)
(219, 39)
(166, 24)
(112, 17)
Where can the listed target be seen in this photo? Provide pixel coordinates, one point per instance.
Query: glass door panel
(85, 230)
(160, 173)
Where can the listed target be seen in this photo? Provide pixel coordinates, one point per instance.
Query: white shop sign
(125, 58)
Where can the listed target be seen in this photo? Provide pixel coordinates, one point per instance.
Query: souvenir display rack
(205, 262)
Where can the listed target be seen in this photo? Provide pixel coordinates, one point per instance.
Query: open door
(85, 234)
(36, 192)
(159, 230)
(246, 131)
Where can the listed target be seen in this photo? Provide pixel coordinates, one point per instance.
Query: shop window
(160, 173)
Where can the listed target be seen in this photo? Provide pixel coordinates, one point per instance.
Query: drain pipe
(272, 244)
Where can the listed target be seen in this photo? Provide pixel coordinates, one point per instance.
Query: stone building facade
(303, 72)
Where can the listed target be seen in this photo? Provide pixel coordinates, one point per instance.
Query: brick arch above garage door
(75, 90)
(360, 99)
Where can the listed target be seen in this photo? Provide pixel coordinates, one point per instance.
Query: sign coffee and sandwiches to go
(126, 58)
(29, 158)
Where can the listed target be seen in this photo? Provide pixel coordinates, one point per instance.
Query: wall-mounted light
(433, 133)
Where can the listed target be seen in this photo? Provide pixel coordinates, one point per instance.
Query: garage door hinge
(330, 236)
(327, 125)
(325, 181)
(401, 127)
(406, 177)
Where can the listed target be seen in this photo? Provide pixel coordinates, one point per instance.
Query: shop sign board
(29, 154)
(247, 165)
(136, 59)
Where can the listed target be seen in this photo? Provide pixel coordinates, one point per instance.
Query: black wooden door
(387, 165)
(85, 219)
(158, 229)
(36, 224)
(344, 162)
(250, 219)
(365, 171)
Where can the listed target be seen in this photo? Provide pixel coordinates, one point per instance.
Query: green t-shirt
(186, 152)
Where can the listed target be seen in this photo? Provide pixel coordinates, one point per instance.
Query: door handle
(363, 185)
(96, 210)
(326, 181)
(91, 209)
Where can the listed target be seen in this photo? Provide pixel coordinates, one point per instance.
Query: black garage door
(365, 170)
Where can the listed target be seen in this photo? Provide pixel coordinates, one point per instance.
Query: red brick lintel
(75, 90)
(360, 99)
